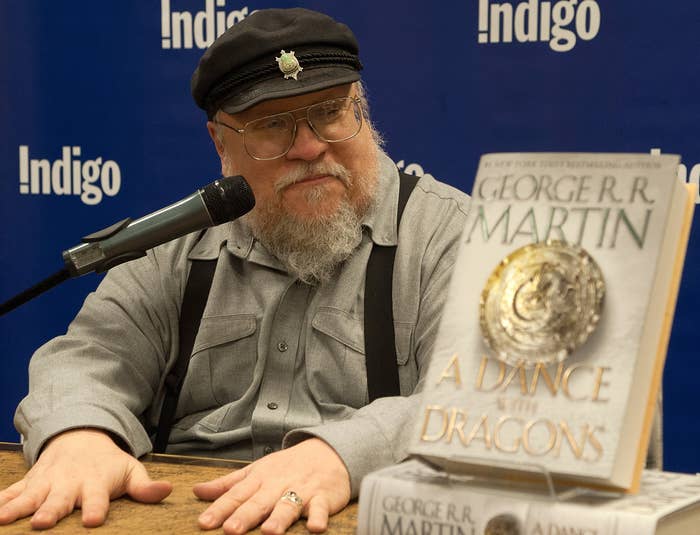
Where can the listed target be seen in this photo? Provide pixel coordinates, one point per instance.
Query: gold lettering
(593, 441)
(428, 411)
(519, 369)
(482, 372)
(570, 381)
(454, 375)
(567, 377)
(483, 423)
(576, 448)
(502, 421)
(518, 405)
(600, 370)
(501, 403)
(527, 442)
(456, 424)
(553, 386)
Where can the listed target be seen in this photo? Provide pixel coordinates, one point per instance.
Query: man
(277, 372)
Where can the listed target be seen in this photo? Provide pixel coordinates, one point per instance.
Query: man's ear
(212, 129)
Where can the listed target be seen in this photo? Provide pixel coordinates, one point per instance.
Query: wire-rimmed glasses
(271, 137)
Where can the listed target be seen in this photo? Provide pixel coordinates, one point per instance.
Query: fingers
(11, 492)
(246, 498)
(95, 505)
(241, 509)
(211, 490)
(58, 504)
(142, 488)
(24, 503)
(250, 514)
(78, 468)
(284, 514)
(318, 514)
(228, 503)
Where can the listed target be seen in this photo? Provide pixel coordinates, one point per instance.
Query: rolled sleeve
(123, 425)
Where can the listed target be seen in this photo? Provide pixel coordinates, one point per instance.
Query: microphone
(222, 200)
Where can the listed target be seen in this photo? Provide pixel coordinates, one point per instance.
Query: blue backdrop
(97, 124)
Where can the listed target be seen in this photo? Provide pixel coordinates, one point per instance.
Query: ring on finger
(293, 498)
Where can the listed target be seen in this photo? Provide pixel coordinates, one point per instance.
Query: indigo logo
(184, 29)
(558, 23)
(69, 175)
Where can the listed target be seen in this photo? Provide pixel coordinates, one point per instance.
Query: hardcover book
(553, 338)
(414, 498)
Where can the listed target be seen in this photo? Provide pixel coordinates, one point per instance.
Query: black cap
(274, 53)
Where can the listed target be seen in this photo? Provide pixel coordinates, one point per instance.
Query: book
(553, 338)
(414, 498)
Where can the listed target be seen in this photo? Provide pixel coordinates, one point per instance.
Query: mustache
(306, 170)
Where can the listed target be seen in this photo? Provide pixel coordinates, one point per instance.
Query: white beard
(313, 248)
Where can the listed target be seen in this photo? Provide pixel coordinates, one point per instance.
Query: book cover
(414, 498)
(553, 338)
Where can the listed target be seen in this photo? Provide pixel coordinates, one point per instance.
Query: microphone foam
(228, 198)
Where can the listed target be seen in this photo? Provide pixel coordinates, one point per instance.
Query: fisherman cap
(274, 53)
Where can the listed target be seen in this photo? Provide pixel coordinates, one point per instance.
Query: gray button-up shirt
(275, 360)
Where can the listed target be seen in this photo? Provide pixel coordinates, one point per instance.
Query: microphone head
(228, 198)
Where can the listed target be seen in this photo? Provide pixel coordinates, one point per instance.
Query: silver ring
(293, 498)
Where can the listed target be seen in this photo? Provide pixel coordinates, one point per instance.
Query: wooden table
(176, 514)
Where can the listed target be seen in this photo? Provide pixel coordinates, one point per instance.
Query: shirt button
(268, 450)
(282, 346)
(272, 405)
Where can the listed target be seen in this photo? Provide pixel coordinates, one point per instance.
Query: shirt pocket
(222, 365)
(335, 359)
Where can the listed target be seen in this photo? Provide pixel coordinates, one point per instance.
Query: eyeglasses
(271, 137)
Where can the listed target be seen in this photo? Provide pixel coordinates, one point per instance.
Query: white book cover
(577, 259)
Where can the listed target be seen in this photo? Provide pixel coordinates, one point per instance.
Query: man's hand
(79, 468)
(247, 497)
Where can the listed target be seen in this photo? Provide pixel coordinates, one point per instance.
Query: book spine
(391, 505)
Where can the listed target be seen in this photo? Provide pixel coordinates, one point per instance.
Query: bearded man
(279, 373)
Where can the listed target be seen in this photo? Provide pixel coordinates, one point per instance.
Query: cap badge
(289, 64)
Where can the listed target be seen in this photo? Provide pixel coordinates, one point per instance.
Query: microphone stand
(30, 293)
(66, 273)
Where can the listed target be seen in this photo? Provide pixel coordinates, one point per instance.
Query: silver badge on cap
(289, 64)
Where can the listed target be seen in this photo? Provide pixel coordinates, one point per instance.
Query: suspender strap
(193, 303)
(380, 339)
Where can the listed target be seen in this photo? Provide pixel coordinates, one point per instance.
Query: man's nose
(307, 146)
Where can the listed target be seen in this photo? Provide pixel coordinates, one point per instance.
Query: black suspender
(193, 303)
(380, 341)
(380, 338)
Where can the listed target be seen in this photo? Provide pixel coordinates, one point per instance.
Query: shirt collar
(380, 219)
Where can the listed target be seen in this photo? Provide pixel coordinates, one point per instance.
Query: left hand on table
(247, 497)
